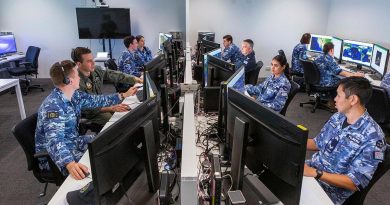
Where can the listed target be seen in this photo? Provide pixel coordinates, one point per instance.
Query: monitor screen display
(357, 52)
(99, 23)
(317, 42)
(379, 59)
(162, 37)
(338, 43)
(216, 53)
(7, 44)
(238, 80)
(209, 36)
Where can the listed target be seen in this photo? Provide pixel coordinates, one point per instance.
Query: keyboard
(140, 95)
(374, 77)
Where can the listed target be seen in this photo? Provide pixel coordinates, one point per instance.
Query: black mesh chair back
(379, 105)
(293, 91)
(252, 76)
(311, 73)
(111, 64)
(32, 55)
(358, 197)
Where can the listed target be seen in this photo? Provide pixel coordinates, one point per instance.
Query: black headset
(66, 80)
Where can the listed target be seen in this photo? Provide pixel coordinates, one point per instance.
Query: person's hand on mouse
(77, 170)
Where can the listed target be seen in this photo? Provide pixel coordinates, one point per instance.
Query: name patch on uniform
(353, 139)
(52, 115)
(379, 155)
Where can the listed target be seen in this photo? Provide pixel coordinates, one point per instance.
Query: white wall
(360, 20)
(271, 24)
(52, 25)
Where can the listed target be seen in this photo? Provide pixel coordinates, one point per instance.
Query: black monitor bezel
(386, 62)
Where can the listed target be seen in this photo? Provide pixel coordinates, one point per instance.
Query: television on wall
(103, 23)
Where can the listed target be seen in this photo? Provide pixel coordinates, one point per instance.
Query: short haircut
(77, 53)
(281, 59)
(139, 37)
(250, 42)
(128, 40)
(327, 47)
(358, 86)
(228, 38)
(305, 39)
(57, 75)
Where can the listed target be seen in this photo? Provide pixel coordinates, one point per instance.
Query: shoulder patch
(52, 115)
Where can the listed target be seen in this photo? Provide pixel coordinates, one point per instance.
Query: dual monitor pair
(266, 142)
(360, 53)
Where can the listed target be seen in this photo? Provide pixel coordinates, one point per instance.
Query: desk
(372, 81)
(8, 83)
(9, 59)
(71, 184)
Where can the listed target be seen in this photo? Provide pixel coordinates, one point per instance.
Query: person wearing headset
(91, 82)
(57, 126)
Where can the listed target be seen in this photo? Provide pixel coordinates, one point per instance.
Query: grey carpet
(18, 186)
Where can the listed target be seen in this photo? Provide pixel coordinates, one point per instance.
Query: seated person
(249, 58)
(144, 52)
(329, 70)
(386, 82)
(350, 145)
(130, 62)
(299, 52)
(231, 52)
(57, 127)
(91, 82)
(273, 92)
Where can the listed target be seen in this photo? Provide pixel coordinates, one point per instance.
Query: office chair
(379, 108)
(119, 87)
(294, 89)
(252, 76)
(24, 132)
(312, 79)
(28, 67)
(358, 197)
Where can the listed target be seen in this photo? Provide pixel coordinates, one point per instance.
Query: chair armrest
(41, 154)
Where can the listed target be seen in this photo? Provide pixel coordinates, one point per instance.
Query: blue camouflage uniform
(328, 70)
(131, 63)
(232, 53)
(146, 55)
(273, 92)
(386, 82)
(299, 52)
(355, 151)
(57, 127)
(249, 61)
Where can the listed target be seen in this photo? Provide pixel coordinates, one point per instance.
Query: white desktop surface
(8, 83)
(12, 57)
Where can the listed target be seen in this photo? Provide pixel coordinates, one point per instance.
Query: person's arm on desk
(77, 170)
(349, 74)
(339, 180)
(121, 107)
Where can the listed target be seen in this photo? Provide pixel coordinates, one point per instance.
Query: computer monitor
(162, 37)
(338, 45)
(7, 44)
(121, 152)
(157, 69)
(216, 53)
(209, 36)
(149, 86)
(271, 146)
(218, 70)
(317, 42)
(204, 47)
(357, 52)
(380, 58)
